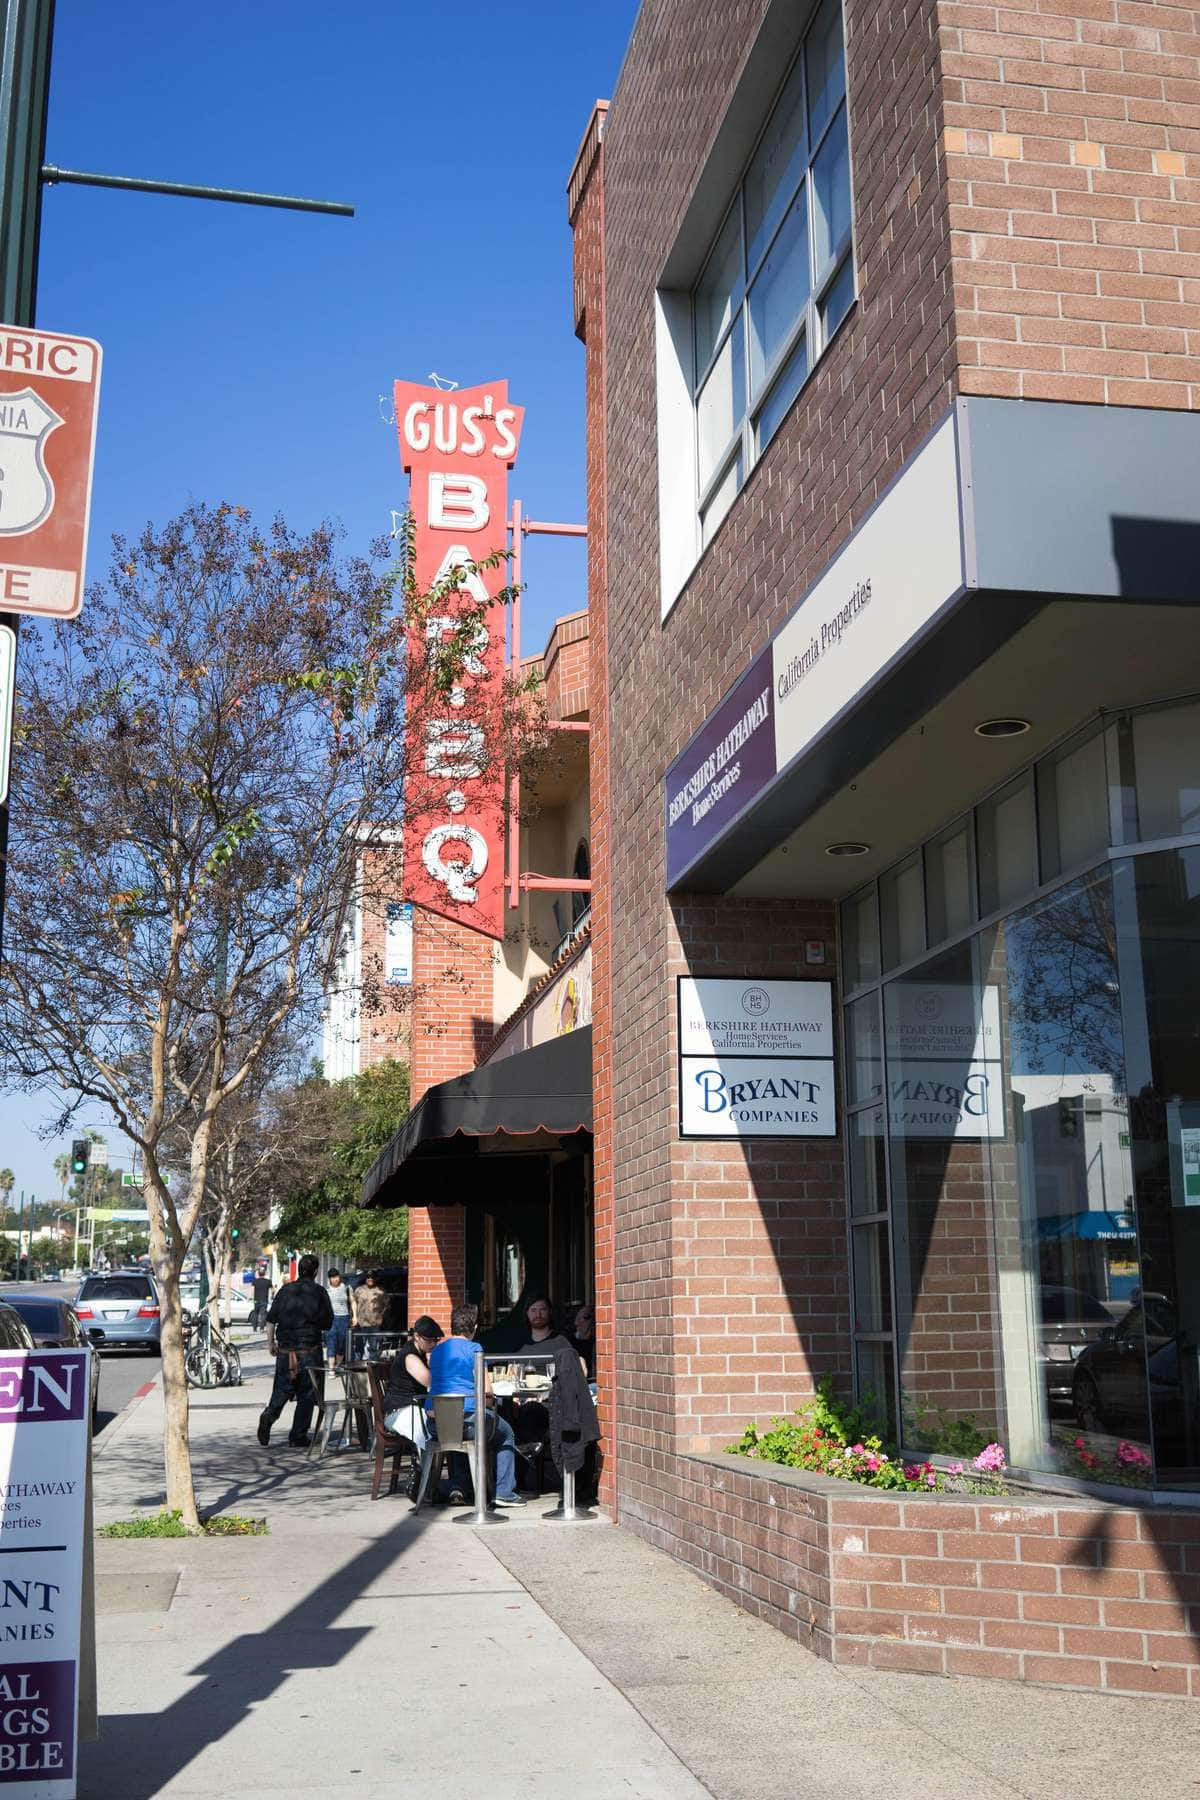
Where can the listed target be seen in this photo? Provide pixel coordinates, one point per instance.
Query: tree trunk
(177, 1455)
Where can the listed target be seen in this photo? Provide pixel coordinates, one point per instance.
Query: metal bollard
(481, 1514)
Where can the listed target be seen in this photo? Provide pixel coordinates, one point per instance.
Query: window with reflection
(780, 278)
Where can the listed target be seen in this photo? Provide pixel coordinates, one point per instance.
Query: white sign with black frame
(755, 1058)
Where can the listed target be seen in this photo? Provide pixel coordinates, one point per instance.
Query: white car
(234, 1309)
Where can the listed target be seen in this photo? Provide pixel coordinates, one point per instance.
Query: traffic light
(81, 1149)
(234, 1233)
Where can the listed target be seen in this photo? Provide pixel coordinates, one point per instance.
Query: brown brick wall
(1068, 1594)
(451, 1026)
(1072, 157)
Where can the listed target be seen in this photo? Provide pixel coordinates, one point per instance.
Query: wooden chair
(387, 1443)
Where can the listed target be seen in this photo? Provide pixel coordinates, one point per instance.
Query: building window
(1022, 1096)
(582, 871)
(780, 276)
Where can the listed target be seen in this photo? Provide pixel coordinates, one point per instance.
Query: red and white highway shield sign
(49, 395)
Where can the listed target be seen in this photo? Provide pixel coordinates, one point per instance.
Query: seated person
(584, 1339)
(408, 1383)
(452, 1371)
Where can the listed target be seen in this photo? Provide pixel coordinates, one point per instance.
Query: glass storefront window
(1066, 1234)
(940, 1083)
(1073, 805)
(1166, 750)
(1158, 919)
(860, 939)
(902, 913)
(1006, 826)
(949, 879)
(1023, 1119)
(868, 1161)
(864, 1049)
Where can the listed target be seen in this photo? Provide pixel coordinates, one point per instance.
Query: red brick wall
(452, 1025)
(883, 384)
(1070, 1594)
(564, 668)
(1072, 152)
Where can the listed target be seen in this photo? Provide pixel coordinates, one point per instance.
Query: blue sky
(245, 349)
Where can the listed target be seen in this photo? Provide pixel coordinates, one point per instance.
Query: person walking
(335, 1337)
(300, 1315)
(262, 1299)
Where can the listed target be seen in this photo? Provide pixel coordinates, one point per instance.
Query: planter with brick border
(1064, 1592)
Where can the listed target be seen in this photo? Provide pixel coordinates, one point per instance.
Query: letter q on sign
(459, 874)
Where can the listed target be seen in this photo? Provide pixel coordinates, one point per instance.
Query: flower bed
(829, 1437)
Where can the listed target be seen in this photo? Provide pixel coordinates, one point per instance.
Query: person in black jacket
(300, 1316)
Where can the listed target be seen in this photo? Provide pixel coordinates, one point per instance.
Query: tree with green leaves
(197, 759)
(358, 1116)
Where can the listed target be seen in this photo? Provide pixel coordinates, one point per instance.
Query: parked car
(1071, 1320)
(14, 1332)
(54, 1325)
(235, 1308)
(125, 1305)
(1133, 1365)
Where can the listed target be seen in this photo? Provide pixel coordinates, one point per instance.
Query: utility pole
(26, 42)
(28, 32)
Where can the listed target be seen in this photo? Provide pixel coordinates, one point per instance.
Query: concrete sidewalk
(357, 1649)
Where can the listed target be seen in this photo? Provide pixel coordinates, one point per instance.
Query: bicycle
(210, 1360)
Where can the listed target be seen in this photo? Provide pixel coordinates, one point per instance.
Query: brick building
(494, 1161)
(891, 321)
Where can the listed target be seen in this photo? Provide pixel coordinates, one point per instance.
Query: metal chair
(388, 1443)
(449, 1417)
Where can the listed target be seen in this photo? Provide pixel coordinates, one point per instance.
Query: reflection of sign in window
(398, 948)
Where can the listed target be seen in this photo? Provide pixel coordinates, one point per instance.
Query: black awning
(539, 1094)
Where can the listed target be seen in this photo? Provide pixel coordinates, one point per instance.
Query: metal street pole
(20, 1222)
(26, 40)
(28, 31)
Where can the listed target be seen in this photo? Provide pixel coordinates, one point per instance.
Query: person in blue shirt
(452, 1371)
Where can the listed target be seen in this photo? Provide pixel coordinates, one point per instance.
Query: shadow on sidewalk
(138, 1754)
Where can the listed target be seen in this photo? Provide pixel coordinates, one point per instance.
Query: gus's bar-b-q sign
(44, 1423)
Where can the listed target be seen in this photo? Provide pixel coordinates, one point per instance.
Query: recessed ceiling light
(1001, 728)
(850, 849)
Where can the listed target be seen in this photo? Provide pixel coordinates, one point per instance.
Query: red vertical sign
(458, 448)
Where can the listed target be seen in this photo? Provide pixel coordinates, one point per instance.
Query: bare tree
(197, 758)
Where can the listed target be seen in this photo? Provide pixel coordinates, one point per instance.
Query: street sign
(49, 394)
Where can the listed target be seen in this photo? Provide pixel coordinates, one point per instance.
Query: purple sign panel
(37, 1720)
(43, 1390)
(724, 767)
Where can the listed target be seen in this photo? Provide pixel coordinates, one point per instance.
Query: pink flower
(954, 1468)
(911, 1471)
(990, 1461)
